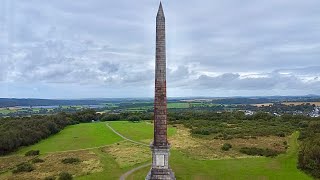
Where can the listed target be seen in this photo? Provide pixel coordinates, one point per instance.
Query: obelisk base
(160, 169)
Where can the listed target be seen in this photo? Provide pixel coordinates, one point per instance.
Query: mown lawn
(282, 167)
(137, 131)
(76, 137)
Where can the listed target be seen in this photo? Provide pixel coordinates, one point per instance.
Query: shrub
(226, 147)
(37, 160)
(50, 178)
(253, 151)
(308, 159)
(134, 118)
(281, 134)
(32, 153)
(24, 167)
(70, 160)
(65, 176)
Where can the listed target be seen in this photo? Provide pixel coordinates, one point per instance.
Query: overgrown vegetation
(65, 176)
(309, 155)
(32, 153)
(228, 125)
(254, 151)
(50, 178)
(37, 160)
(71, 161)
(24, 167)
(226, 147)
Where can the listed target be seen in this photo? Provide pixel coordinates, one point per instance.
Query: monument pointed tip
(160, 11)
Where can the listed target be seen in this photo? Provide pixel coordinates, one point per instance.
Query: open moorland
(96, 151)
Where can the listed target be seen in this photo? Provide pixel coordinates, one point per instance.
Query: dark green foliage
(226, 147)
(281, 134)
(253, 151)
(65, 176)
(71, 161)
(32, 153)
(309, 154)
(134, 118)
(37, 160)
(111, 117)
(24, 167)
(50, 178)
(228, 125)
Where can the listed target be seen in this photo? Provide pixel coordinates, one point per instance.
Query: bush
(308, 159)
(24, 167)
(111, 117)
(65, 176)
(226, 147)
(50, 178)
(32, 153)
(253, 151)
(37, 160)
(281, 134)
(70, 160)
(134, 118)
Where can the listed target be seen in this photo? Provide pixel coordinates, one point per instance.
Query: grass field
(120, 157)
(76, 137)
(282, 167)
(137, 131)
(178, 105)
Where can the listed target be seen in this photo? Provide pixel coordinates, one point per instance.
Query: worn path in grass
(125, 138)
(141, 132)
(125, 175)
(282, 167)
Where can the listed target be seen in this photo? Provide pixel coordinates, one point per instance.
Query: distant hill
(8, 102)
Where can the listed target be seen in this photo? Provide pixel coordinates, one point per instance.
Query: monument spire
(160, 147)
(160, 10)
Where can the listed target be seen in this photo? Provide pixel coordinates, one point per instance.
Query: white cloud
(219, 46)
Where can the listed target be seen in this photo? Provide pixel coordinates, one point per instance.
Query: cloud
(274, 80)
(220, 46)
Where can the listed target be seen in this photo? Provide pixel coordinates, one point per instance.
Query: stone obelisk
(160, 147)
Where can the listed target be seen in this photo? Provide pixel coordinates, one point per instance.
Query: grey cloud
(273, 81)
(111, 44)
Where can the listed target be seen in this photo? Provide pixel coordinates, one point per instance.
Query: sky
(105, 48)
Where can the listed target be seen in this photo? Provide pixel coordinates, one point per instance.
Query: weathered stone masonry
(160, 147)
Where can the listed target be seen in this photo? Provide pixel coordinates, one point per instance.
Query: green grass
(137, 131)
(282, 167)
(7, 111)
(75, 137)
(178, 105)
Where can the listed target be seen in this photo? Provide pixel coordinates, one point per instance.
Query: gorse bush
(32, 153)
(226, 147)
(37, 160)
(65, 176)
(24, 167)
(254, 151)
(71, 161)
(309, 154)
(50, 178)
